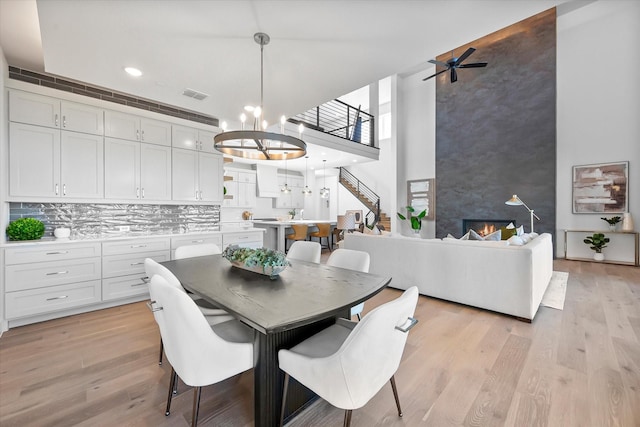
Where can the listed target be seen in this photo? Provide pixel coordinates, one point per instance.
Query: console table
(622, 248)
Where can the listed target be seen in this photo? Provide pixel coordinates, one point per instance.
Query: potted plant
(25, 229)
(597, 242)
(292, 213)
(414, 220)
(612, 222)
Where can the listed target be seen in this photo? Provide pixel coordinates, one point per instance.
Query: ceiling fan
(455, 63)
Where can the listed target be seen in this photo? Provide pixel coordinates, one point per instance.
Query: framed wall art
(357, 215)
(421, 195)
(601, 188)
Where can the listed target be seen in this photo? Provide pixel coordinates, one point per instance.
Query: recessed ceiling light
(133, 71)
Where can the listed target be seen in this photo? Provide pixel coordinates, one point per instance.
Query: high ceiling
(319, 49)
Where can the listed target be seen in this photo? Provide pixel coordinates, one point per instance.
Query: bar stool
(324, 230)
(299, 233)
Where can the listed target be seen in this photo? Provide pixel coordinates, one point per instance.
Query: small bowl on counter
(62, 232)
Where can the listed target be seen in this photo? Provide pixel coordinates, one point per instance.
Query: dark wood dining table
(304, 299)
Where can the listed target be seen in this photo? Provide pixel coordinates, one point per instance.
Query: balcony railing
(339, 119)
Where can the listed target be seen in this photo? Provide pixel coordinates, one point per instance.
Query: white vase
(612, 227)
(598, 256)
(627, 222)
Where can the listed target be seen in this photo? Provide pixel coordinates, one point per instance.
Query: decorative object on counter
(612, 222)
(414, 220)
(25, 229)
(292, 213)
(597, 242)
(515, 201)
(246, 215)
(627, 222)
(261, 260)
(257, 143)
(62, 232)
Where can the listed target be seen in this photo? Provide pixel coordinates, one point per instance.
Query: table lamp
(515, 201)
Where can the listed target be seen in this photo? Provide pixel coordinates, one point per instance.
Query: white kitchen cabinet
(196, 176)
(42, 279)
(241, 188)
(134, 128)
(193, 139)
(195, 239)
(123, 269)
(135, 170)
(294, 199)
(40, 110)
(245, 239)
(231, 195)
(46, 162)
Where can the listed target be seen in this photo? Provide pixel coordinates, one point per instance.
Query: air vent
(194, 94)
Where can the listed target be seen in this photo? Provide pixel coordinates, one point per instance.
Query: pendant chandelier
(306, 190)
(286, 188)
(257, 143)
(324, 191)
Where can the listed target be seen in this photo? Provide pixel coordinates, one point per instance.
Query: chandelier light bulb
(257, 112)
(224, 126)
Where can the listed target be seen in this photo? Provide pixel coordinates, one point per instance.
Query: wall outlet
(124, 228)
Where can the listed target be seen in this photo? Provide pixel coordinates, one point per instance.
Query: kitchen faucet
(301, 213)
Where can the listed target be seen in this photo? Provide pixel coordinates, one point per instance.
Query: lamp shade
(514, 201)
(346, 222)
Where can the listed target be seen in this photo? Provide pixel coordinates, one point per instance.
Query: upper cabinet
(40, 110)
(196, 176)
(133, 128)
(193, 139)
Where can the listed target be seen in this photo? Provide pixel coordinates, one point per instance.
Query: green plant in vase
(414, 220)
(25, 229)
(597, 242)
(292, 213)
(612, 222)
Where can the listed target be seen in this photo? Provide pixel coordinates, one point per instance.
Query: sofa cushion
(506, 232)
(493, 236)
(496, 235)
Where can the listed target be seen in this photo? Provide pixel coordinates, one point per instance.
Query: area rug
(554, 296)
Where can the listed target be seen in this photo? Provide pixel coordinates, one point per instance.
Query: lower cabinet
(123, 266)
(245, 239)
(192, 239)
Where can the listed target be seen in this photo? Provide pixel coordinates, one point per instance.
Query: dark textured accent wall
(496, 129)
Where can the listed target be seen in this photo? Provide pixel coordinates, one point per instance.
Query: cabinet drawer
(176, 242)
(45, 300)
(135, 246)
(39, 253)
(29, 276)
(124, 286)
(126, 264)
(254, 238)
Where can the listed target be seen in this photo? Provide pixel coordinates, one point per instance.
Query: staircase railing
(339, 119)
(363, 193)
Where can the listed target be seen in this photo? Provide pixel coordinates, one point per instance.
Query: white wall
(4, 165)
(598, 101)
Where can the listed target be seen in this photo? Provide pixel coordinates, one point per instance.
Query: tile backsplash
(94, 221)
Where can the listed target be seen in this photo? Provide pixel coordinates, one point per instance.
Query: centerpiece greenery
(414, 220)
(25, 229)
(260, 260)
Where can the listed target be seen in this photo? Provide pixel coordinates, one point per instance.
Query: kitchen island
(274, 236)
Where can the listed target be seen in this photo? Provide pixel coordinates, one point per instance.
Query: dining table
(301, 301)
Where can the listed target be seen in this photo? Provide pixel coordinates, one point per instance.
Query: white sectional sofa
(491, 275)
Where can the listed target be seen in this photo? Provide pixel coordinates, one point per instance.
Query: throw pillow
(515, 241)
(507, 232)
(495, 236)
(474, 236)
(520, 230)
(465, 237)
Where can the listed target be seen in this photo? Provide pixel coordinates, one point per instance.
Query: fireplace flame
(487, 229)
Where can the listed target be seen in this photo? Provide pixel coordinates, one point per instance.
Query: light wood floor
(462, 366)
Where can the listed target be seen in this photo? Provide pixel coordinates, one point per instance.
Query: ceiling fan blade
(439, 72)
(440, 63)
(464, 56)
(474, 65)
(454, 75)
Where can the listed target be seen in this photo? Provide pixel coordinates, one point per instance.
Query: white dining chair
(213, 315)
(352, 260)
(303, 250)
(200, 354)
(331, 363)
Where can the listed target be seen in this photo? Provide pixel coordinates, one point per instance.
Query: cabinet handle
(196, 194)
(138, 246)
(136, 263)
(145, 279)
(64, 121)
(197, 241)
(55, 298)
(56, 189)
(137, 192)
(57, 253)
(138, 134)
(64, 189)
(138, 284)
(55, 119)
(57, 272)
(143, 192)
(200, 194)
(142, 133)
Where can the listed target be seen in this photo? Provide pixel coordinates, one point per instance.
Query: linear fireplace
(484, 226)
